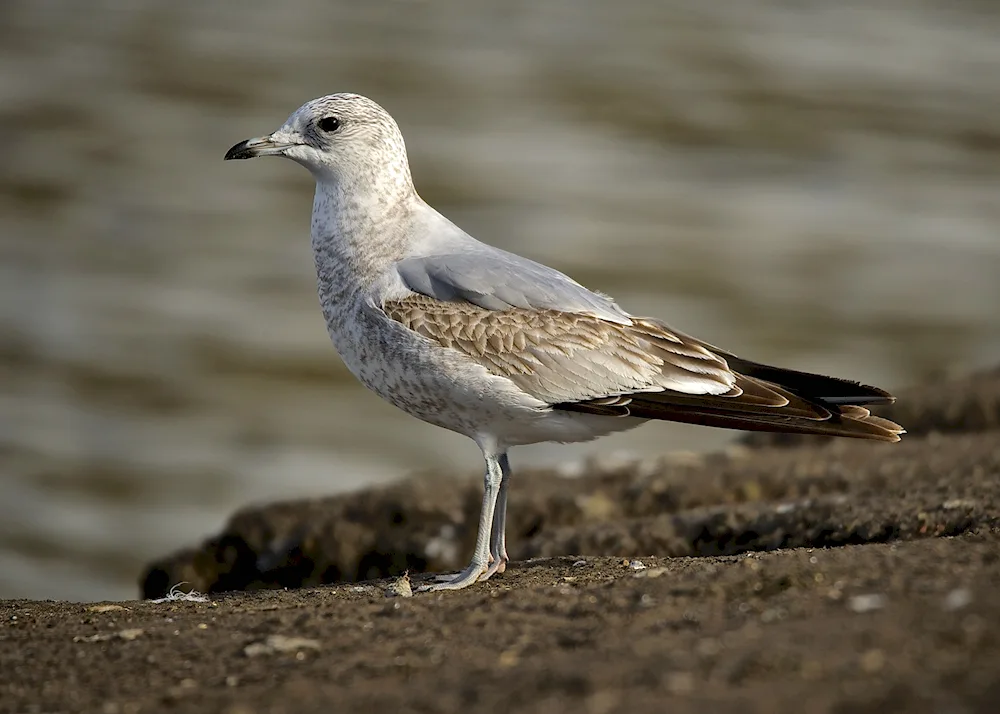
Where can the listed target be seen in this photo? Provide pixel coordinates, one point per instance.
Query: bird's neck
(358, 234)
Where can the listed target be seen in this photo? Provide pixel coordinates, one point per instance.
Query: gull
(498, 347)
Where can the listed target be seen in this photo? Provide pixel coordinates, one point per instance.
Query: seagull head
(343, 139)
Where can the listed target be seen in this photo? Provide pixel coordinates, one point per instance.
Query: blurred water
(812, 182)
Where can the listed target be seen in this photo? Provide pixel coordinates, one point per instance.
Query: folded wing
(576, 350)
(584, 363)
(566, 357)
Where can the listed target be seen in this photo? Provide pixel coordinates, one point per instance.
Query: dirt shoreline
(812, 576)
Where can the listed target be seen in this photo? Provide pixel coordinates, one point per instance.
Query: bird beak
(260, 146)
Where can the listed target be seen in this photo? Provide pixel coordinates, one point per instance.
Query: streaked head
(340, 138)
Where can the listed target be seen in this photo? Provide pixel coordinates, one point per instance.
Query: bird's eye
(329, 124)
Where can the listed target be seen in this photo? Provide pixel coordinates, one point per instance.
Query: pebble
(866, 603)
(280, 643)
(957, 599)
(126, 635)
(400, 587)
(651, 572)
(106, 608)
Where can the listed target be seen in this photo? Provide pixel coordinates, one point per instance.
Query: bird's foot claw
(498, 564)
(456, 581)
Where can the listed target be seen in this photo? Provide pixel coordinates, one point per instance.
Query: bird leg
(491, 492)
(498, 535)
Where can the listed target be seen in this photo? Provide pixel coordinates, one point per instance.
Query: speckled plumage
(498, 347)
(560, 357)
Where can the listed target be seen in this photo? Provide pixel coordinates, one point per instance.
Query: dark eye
(329, 124)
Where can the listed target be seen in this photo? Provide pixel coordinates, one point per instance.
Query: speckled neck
(356, 236)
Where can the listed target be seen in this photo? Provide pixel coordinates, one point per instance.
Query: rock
(127, 635)
(818, 495)
(957, 599)
(695, 641)
(400, 587)
(866, 603)
(280, 643)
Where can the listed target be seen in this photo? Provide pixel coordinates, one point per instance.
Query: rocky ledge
(780, 575)
(766, 493)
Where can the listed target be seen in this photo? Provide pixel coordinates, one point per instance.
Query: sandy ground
(814, 576)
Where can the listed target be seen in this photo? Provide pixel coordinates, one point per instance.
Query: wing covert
(561, 357)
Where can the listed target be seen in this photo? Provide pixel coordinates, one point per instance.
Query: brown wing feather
(581, 363)
(567, 357)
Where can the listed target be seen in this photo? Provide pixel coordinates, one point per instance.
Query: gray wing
(497, 280)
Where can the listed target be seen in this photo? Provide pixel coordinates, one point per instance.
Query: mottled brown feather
(565, 357)
(578, 362)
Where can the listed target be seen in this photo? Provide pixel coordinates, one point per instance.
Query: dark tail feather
(766, 399)
(852, 425)
(829, 390)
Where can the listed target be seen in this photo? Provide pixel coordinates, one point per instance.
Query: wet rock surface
(822, 577)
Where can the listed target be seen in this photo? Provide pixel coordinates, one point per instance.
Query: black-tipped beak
(240, 151)
(260, 146)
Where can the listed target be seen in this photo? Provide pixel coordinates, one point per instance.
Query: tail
(829, 390)
(765, 398)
